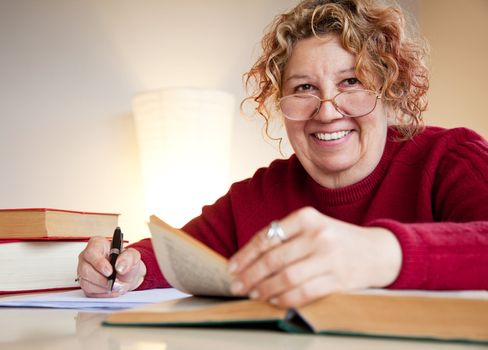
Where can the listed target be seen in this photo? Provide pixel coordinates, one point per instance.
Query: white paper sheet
(77, 300)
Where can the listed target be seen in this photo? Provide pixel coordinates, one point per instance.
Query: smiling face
(336, 151)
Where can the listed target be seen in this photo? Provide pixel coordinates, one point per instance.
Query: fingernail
(120, 267)
(232, 267)
(254, 294)
(273, 301)
(117, 287)
(106, 271)
(236, 287)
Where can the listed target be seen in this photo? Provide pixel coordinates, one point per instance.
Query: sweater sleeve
(452, 251)
(441, 255)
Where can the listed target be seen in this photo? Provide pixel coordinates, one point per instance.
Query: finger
(90, 288)
(127, 261)
(307, 292)
(90, 280)
(291, 277)
(258, 245)
(100, 295)
(96, 290)
(274, 261)
(96, 254)
(106, 294)
(132, 277)
(292, 225)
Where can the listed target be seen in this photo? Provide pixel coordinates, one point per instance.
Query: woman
(370, 198)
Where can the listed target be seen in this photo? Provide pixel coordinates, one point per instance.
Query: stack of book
(39, 247)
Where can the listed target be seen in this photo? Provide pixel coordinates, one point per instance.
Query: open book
(194, 268)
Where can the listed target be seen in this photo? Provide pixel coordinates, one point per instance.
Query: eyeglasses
(351, 103)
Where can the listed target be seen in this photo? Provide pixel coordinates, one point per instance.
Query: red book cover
(53, 209)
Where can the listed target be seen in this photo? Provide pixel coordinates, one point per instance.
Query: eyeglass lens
(348, 103)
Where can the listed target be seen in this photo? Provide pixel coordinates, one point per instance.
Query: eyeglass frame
(331, 100)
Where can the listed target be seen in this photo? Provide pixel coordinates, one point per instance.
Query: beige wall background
(69, 69)
(458, 34)
(68, 72)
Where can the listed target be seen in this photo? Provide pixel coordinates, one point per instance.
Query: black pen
(115, 250)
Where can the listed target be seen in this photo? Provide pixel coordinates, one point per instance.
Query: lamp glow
(184, 138)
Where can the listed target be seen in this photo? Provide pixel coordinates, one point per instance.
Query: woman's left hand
(320, 255)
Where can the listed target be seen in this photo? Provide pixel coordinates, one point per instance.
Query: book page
(198, 310)
(417, 314)
(187, 264)
(463, 294)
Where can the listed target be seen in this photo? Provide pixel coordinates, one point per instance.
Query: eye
(351, 82)
(303, 88)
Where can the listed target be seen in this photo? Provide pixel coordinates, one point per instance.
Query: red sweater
(431, 192)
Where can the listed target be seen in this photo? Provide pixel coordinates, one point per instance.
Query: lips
(332, 136)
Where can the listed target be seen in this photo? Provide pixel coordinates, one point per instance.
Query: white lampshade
(184, 138)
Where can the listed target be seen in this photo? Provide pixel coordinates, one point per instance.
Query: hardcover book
(39, 264)
(45, 222)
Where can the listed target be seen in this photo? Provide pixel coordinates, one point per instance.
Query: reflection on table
(24, 328)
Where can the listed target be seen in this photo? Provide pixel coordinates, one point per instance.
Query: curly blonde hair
(387, 58)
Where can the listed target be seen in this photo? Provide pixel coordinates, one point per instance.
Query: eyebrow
(305, 76)
(297, 76)
(348, 70)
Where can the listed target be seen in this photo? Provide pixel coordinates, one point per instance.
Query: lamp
(184, 137)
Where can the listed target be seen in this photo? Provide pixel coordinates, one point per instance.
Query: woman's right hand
(94, 268)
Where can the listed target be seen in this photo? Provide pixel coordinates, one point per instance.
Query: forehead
(319, 55)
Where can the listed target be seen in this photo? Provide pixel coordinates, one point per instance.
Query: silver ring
(275, 230)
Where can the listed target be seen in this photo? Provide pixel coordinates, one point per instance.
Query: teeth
(332, 136)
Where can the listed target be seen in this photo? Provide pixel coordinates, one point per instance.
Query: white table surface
(53, 329)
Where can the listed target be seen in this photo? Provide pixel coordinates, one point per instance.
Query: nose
(327, 112)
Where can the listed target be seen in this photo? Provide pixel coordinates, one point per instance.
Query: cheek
(289, 127)
(376, 122)
(385, 112)
(373, 133)
(295, 132)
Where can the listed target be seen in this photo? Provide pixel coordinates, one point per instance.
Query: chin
(336, 164)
